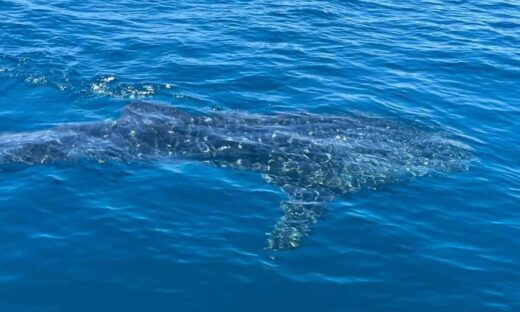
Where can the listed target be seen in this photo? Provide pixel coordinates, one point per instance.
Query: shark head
(443, 154)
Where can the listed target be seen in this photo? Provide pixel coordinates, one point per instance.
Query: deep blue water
(182, 236)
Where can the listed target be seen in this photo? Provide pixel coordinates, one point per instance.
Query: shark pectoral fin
(306, 205)
(298, 216)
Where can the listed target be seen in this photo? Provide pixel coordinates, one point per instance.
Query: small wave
(106, 85)
(36, 80)
(109, 85)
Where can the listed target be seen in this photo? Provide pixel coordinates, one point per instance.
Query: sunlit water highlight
(183, 236)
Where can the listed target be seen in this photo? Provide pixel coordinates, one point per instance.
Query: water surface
(187, 237)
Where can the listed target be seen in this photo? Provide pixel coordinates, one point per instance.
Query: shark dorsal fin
(150, 110)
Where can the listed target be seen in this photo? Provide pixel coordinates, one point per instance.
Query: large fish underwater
(313, 158)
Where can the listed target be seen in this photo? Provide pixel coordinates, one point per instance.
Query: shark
(313, 158)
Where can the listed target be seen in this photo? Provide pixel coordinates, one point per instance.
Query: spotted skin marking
(312, 158)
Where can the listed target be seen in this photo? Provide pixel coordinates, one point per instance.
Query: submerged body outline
(312, 158)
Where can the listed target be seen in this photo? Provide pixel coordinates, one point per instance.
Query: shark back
(312, 158)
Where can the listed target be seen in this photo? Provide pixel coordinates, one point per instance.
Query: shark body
(312, 158)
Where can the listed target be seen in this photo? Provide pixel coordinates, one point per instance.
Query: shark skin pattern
(312, 158)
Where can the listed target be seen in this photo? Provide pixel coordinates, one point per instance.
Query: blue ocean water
(183, 236)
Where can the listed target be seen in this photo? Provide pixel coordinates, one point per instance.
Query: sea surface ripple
(182, 236)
